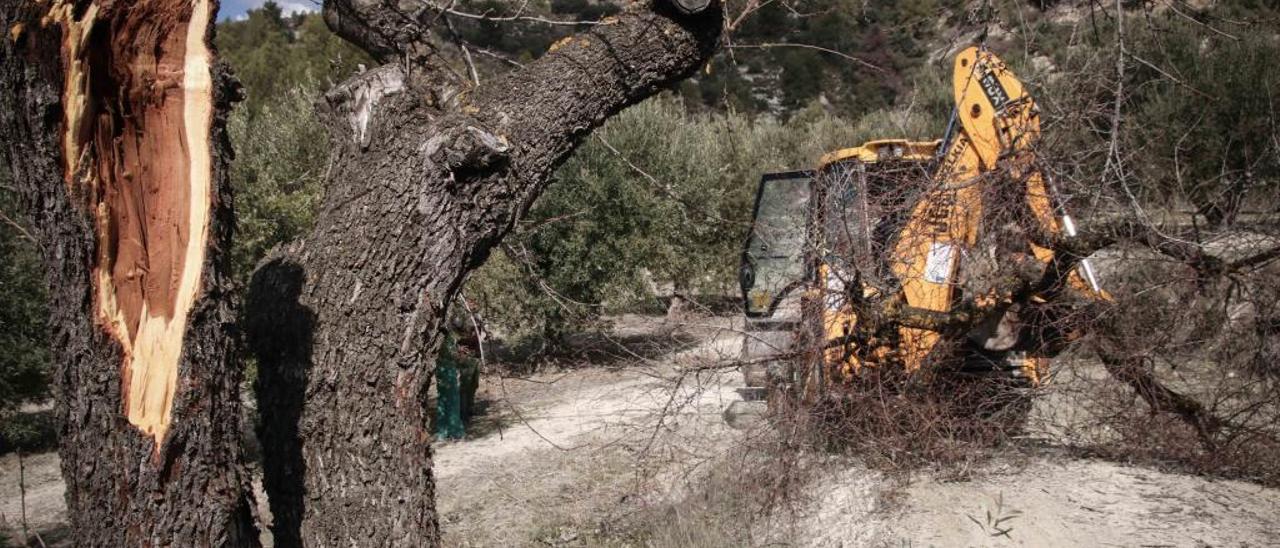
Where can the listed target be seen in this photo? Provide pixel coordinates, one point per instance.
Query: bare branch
(518, 16)
(752, 6)
(842, 55)
(1133, 371)
(21, 231)
(503, 58)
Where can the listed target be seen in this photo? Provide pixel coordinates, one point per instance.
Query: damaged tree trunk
(428, 173)
(112, 114)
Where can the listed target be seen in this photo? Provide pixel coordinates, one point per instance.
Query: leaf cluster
(24, 351)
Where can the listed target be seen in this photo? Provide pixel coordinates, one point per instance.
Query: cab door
(773, 271)
(773, 262)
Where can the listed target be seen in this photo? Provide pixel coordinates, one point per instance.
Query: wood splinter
(138, 111)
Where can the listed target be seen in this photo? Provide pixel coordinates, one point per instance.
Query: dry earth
(639, 456)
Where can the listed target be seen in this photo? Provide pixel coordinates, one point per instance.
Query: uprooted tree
(113, 118)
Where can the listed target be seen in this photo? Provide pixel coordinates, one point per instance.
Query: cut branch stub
(138, 107)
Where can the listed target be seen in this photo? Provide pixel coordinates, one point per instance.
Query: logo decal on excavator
(937, 215)
(955, 151)
(995, 92)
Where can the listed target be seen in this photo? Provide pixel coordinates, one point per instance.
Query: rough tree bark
(427, 174)
(111, 113)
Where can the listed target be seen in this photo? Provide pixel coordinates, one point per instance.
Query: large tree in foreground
(112, 119)
(429, 171)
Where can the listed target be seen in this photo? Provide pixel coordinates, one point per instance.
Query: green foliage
(284, 64)
(281, 154)
(28, 432)
(272, 54)
(670, 207)
(24, 352)
(1208, 116)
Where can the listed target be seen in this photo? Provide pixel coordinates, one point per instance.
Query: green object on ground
(456, 380)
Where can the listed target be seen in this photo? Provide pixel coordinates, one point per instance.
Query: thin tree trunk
(112, 116)
(426, 176)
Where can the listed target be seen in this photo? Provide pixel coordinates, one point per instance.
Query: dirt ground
(46, 511)
(640, 456)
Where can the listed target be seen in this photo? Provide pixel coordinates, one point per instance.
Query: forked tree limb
(346, 322)
(1133, 371)
(402, 32)
(1130, 370)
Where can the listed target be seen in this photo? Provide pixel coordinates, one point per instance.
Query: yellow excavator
(893, 254)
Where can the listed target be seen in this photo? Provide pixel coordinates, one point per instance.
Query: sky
(236, 9)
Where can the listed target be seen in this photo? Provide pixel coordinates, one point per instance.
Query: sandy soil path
(46, 509)
(1046, 502)
(573, 458)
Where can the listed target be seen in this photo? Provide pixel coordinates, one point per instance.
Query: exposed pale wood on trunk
(144, 173)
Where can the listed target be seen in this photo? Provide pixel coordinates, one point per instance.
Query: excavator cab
(813, 234)
(863, 197)
(805, 222)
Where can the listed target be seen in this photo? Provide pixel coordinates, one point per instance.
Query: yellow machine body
(996, 127)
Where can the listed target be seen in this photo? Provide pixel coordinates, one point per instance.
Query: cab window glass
(775, 251)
